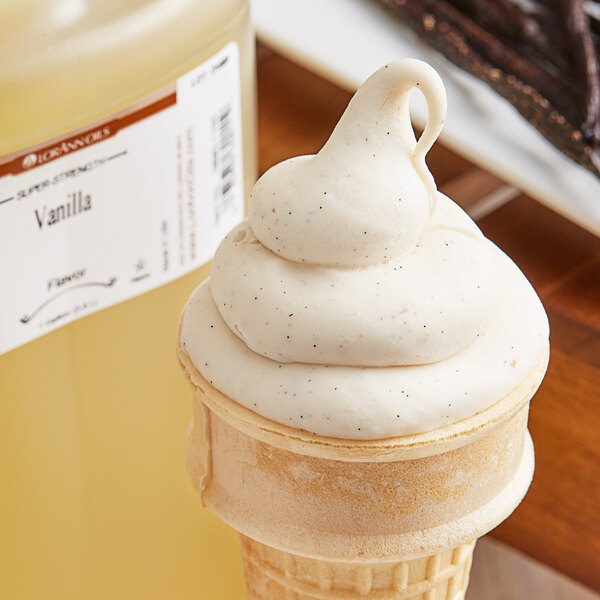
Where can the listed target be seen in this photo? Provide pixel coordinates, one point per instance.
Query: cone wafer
(272, 574)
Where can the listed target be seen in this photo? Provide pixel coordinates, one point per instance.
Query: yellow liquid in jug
(95, 502)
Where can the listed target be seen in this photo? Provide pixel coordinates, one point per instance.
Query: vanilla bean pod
(493, 50)
(542, 112)
(534, 37)
(581, 49)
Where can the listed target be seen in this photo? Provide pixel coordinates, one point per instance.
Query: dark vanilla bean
(585, 60)
(544, 61)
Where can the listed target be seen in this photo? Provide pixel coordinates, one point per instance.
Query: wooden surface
(559, 521)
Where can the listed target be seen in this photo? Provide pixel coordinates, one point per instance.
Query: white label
(121, 206)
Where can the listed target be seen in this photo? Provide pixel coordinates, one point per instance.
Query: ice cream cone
(360, 303)
(330, 518)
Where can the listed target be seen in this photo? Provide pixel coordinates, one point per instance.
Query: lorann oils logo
(66, 146)
(29, 161)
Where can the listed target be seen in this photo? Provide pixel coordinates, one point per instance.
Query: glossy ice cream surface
(357, 301)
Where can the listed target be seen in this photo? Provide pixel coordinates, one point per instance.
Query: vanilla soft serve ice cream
(357, 301)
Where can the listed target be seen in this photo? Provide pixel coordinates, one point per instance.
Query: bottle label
(121, 206)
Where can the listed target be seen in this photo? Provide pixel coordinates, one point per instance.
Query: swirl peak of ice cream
(360, 262)
(353, 268)
(370, 176)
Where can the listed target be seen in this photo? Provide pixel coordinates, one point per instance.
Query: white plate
(346, 40)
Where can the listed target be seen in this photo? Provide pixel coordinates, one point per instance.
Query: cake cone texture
(330, 518)
(387, 499)
(273, 574)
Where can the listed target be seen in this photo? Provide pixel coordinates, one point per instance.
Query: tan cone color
(273, 574)
(381, 519)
